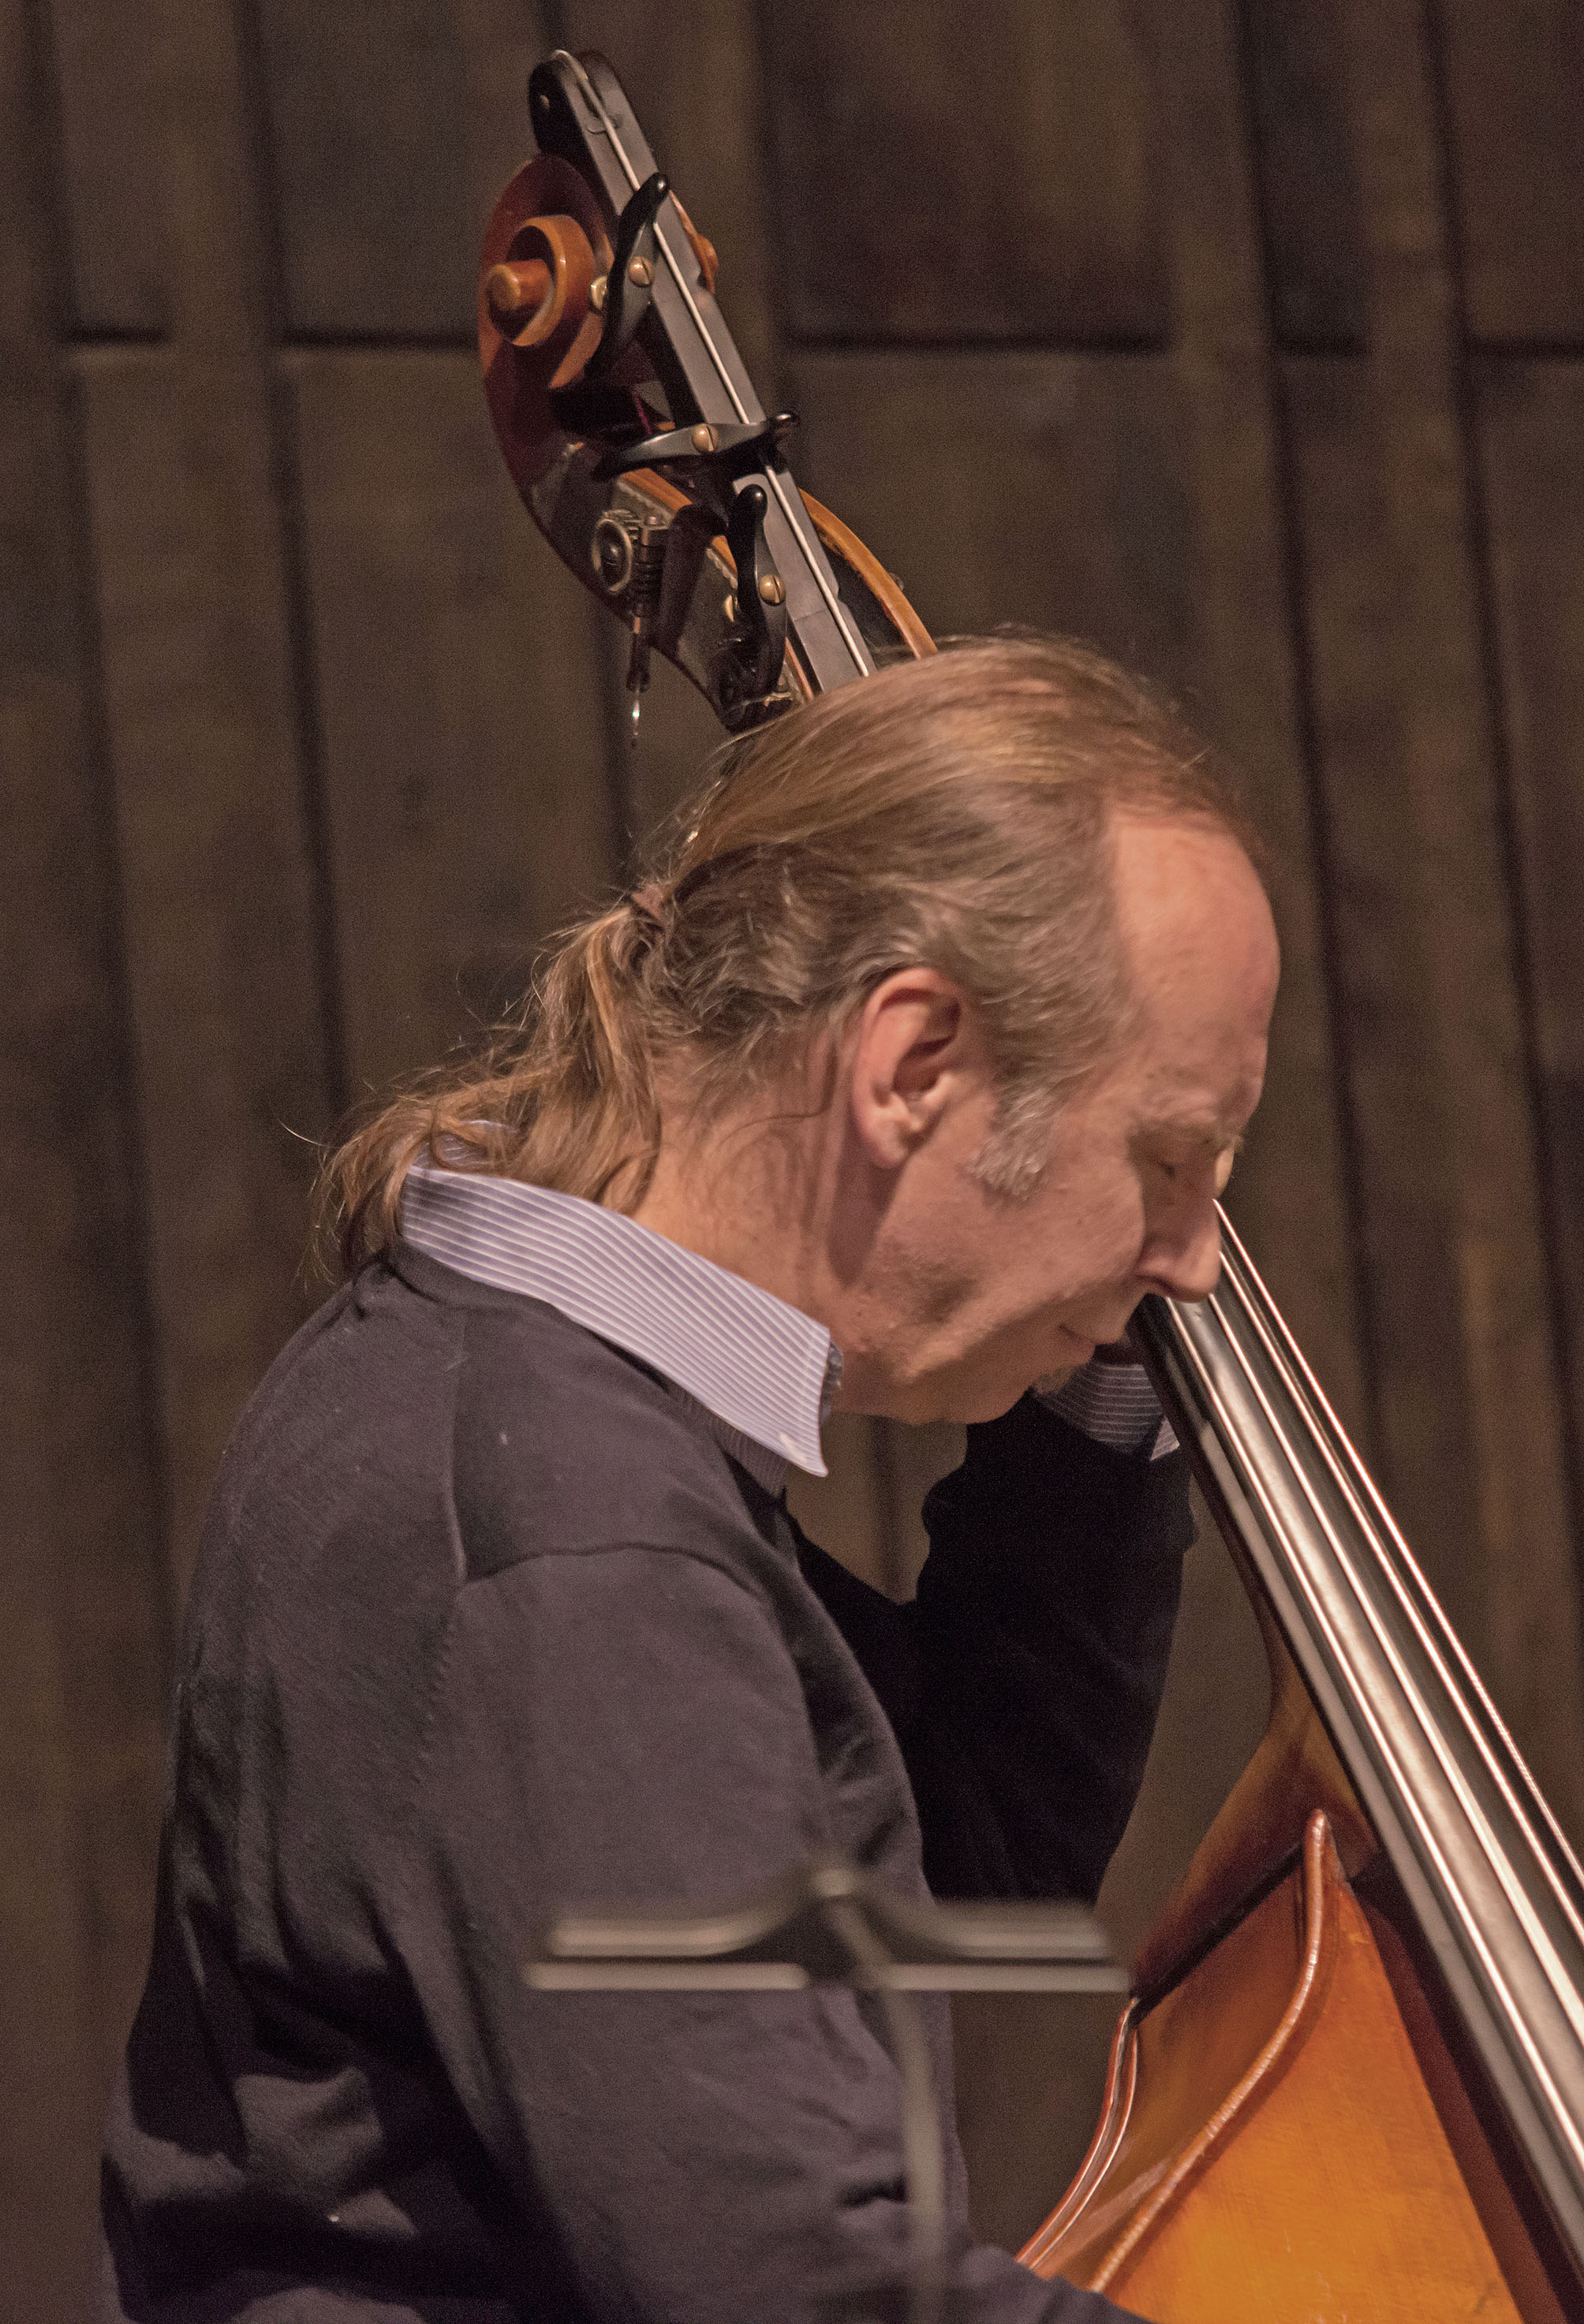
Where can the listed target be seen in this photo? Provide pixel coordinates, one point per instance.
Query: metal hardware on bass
(640, 407)
(630, 280)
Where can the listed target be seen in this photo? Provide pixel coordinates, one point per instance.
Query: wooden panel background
(1243, 337)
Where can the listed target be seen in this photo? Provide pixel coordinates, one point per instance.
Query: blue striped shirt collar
(759, 1370)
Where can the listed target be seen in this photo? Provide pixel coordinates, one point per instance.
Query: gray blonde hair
(955, 811)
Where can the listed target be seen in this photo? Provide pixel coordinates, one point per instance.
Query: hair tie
(649, 903)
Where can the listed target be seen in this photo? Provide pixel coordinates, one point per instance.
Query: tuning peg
(537, 295)
(728, 451)
(761, 595)
(628, 286)
(518, 292)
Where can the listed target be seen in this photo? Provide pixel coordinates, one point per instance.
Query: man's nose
(1183, 1257)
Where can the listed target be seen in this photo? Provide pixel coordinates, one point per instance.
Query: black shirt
(487, 1624)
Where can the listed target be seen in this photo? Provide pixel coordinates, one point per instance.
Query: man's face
(972, 1298)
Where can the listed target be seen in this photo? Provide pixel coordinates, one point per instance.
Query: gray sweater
(487, 1624)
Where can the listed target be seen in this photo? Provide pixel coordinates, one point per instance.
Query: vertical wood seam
(1477, 506)
(97, 761)
(96, 754)
(764, 143)
(286, 478)
(1294, 579)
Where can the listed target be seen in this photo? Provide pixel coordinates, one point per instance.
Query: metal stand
(829, 1923)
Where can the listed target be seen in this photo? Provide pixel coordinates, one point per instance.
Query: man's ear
(916, 1051)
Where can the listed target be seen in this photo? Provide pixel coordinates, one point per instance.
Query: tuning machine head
(629, 282)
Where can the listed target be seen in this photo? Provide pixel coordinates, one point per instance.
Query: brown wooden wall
(1240, 335)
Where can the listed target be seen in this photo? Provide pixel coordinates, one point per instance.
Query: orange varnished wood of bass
(1270, 2146)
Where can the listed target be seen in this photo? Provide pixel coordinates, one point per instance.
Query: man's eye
(1173, 1173)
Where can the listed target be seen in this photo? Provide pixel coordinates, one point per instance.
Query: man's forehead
(1184, 882)
(1194, 1097)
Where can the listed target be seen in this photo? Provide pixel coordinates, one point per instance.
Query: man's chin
(959, 1396)
(969, 1403)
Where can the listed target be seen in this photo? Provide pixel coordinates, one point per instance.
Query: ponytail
(575, 1107)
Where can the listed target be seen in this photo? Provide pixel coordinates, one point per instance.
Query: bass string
(1391, 1552)
(1401, 1567)
(1496, 1856)
(795, 516)
(1539, 2072)
(1430, 1727)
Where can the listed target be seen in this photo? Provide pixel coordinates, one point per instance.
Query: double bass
(1349, 2080)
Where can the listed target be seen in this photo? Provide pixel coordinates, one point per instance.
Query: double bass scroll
(652, 541)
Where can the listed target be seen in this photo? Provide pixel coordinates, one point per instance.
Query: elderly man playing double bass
(919, 1061)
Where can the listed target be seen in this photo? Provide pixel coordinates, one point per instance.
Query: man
(921, 1063)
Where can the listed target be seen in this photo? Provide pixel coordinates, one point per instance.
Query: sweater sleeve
(1024, 1682)
(628, 1727)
